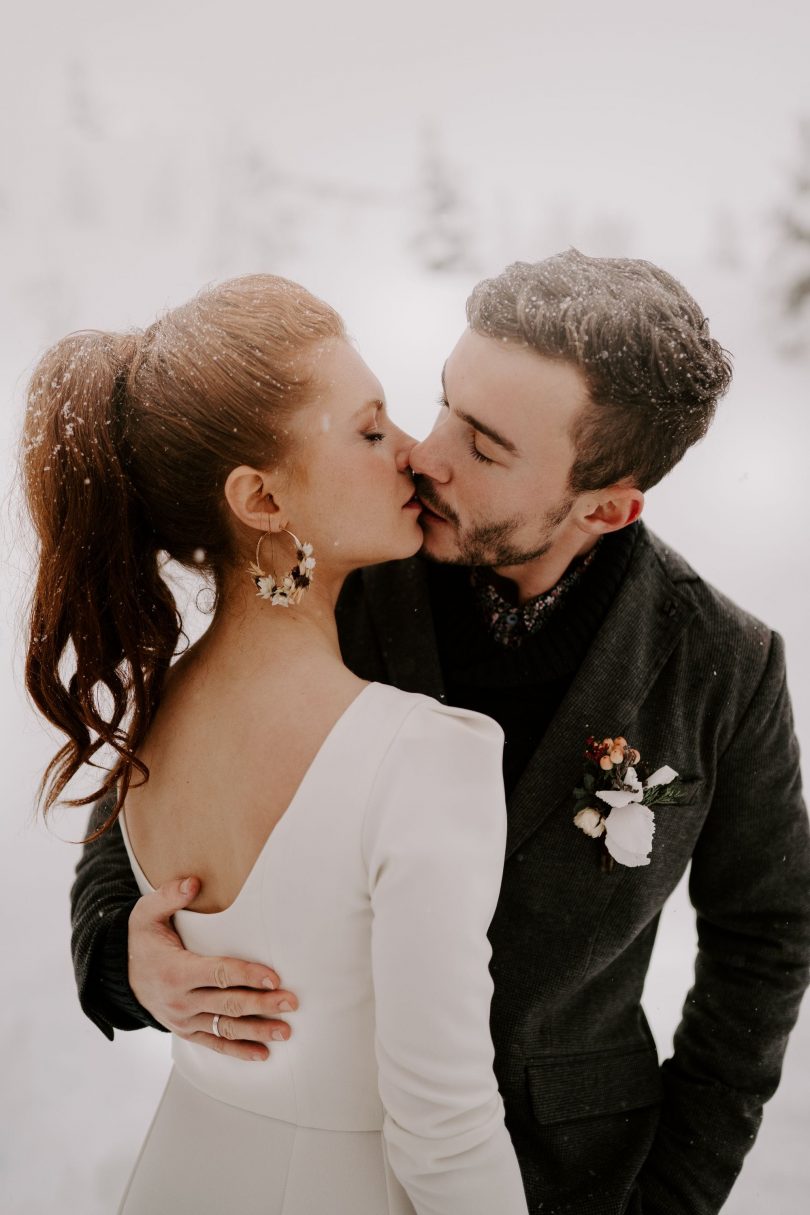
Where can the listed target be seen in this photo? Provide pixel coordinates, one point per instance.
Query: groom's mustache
(427, 494)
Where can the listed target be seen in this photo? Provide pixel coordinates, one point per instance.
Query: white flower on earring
(291, 588)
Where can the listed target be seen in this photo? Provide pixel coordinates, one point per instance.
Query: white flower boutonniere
(624, 820)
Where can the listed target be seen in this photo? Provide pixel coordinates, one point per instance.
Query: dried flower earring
(292, 586)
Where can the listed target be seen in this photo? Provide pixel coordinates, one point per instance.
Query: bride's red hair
(127, 444)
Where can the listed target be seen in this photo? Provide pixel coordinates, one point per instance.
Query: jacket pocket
(594, 1118)
(568, 1087)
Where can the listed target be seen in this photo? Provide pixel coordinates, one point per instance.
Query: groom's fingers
(242, 1002)
(249, 1051)
(173, 984)
(239, 1037)
(239, 1029)
(232, 972)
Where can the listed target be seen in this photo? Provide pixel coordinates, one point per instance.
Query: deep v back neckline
(325, 745)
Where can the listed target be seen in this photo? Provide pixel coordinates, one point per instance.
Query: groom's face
(493, 472)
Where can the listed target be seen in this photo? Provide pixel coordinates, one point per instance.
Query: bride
(348, 834)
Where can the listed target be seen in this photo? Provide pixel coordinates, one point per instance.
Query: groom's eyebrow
(489, 431)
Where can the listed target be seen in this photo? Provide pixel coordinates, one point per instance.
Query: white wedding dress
(371, 898)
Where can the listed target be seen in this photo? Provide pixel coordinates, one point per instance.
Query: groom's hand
(184, 991)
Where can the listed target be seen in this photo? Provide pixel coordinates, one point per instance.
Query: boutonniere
(615, 799)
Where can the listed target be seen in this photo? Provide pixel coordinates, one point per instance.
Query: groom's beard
(491, 544)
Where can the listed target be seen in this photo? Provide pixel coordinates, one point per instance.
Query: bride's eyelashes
(376, 435)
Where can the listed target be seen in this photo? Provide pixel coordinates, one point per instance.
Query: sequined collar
(510, 624)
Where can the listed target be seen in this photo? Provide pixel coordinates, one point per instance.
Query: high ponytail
(100, 604)
(128, 442)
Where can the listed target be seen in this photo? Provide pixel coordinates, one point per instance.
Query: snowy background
(388, 160)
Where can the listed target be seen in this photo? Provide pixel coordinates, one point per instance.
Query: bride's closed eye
(375, 435)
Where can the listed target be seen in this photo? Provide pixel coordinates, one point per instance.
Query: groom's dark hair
(654, 374)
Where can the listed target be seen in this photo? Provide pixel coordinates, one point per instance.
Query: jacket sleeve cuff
(114, 1004)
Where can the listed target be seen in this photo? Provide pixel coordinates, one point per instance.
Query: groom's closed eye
(480, 428)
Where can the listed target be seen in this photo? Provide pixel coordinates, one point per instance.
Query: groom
(546, 603)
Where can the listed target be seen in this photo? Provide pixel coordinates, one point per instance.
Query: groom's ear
(613, 508)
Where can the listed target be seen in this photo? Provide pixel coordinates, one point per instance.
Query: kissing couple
(458, 726)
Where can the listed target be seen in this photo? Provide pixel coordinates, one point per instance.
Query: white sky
(667, 110)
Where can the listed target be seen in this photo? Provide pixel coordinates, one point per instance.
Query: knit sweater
(522, 687)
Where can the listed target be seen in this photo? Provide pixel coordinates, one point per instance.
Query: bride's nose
(404, 448)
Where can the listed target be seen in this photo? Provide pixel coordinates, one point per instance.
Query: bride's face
(352, 494)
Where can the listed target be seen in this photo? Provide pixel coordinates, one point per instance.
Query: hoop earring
(292, 586)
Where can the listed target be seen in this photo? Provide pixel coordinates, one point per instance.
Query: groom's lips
(430, 512)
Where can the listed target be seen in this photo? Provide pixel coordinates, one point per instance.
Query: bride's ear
(252, 500)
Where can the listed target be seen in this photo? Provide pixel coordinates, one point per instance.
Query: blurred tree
(256, 211)
(608, 234)
(443, 240)
(81, 149)
(166, 188)
(792, 261)
(82, 109)
(725, 243)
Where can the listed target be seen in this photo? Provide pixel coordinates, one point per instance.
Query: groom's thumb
(156, 908)
(175, 895)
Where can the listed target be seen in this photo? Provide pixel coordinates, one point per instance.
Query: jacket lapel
(637, 637)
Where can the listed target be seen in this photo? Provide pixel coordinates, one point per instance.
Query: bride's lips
(430, 512)
(413, 503)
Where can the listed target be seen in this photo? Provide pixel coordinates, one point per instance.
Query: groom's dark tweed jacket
(693, 682)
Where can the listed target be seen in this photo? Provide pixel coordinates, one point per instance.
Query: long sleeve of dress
(434, 841)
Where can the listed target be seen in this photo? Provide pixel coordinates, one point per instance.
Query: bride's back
(363, 819)
(226, 752)
(303, 907)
